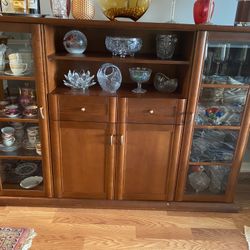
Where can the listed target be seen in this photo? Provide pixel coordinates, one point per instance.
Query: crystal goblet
(140, 75)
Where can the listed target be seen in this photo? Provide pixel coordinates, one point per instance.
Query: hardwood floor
(92, 229)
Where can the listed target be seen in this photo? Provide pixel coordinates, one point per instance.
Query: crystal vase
(60, 8)
(83, 9)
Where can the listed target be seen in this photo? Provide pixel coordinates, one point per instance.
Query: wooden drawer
(82, 108)
(150, 110)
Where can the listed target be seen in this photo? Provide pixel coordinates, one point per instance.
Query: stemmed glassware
(140, 75)
(241, 58)
(220, 53)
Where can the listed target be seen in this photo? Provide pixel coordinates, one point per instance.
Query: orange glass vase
(83, 9)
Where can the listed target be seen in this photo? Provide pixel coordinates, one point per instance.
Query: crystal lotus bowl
(133, 9)
(79, 80)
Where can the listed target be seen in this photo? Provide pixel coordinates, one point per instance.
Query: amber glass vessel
(83, 9)
(132, 9)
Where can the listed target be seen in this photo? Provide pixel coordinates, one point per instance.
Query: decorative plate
(26, 168)
(31, 182)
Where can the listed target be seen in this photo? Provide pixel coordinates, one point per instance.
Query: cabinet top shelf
(120, 24)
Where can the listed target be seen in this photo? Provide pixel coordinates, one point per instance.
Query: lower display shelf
(207, 180)
(21, 175)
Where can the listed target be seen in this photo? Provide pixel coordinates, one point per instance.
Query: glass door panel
(227, 63)
(210, 180)
(21, 174)
(220, 106)
(211, 145)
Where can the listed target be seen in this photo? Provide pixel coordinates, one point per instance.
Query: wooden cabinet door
(86, 160)
(147, 161)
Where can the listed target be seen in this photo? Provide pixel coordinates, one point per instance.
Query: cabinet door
(24, 149)
(85, 156)
(145, 163)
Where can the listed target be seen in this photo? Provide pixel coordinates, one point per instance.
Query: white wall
(159, 11)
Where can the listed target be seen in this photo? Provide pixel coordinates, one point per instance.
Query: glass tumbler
(60, 8)
(165, 45)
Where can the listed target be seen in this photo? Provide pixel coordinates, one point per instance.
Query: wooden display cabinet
(126, 146)
(20, 160)
(218, 135)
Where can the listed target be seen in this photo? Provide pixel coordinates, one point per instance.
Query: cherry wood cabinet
(119, 158)
(124, 147)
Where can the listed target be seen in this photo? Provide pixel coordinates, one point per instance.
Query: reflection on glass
(241, 58)
(218, 106)
(220, 53)
(207, 179)
(213, 145)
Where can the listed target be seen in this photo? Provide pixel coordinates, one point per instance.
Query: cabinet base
(110, 204)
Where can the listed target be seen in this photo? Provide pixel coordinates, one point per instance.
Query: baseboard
(111, 204)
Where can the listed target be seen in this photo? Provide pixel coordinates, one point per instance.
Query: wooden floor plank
(94, 243)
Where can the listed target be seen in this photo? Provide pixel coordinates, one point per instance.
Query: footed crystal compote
(79, 80)
(140, 75)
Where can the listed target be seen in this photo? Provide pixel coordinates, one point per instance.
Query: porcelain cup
(9, 141)
(32, 133)
(7, 132)
(18, 68)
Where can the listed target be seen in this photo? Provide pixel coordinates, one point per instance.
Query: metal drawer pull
(151, 111)
(122, 140)
(83, 109)
(41, 113)
(111, 139)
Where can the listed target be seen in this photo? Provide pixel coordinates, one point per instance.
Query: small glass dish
(140, 75)
(79, 80)
(164, 84)
(123, 46)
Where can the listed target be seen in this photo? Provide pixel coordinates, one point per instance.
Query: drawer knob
(151, 111)
(83, 109)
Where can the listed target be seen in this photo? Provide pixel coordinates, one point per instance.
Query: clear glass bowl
(79, 80)
(164, 84)
(109, 77)
(75, 42)
(123, 46)
(133, 9)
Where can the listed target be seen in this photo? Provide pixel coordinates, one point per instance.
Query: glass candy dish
(79, 80)
(140, 75)
(75, 42)
(123, 46)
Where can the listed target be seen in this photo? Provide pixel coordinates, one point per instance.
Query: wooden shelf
(19, 78)
(217, 127)
(21, 154)
(25, 120)
(225, 86)
(94, 57)
(226, 164)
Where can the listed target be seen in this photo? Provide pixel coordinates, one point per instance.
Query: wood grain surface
(100, 229)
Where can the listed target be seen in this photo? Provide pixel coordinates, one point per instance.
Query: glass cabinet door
(219, 117)
(21, 165)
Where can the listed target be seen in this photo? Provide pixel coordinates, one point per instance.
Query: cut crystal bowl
(164, 84)
(123, 46)
(79, 80)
